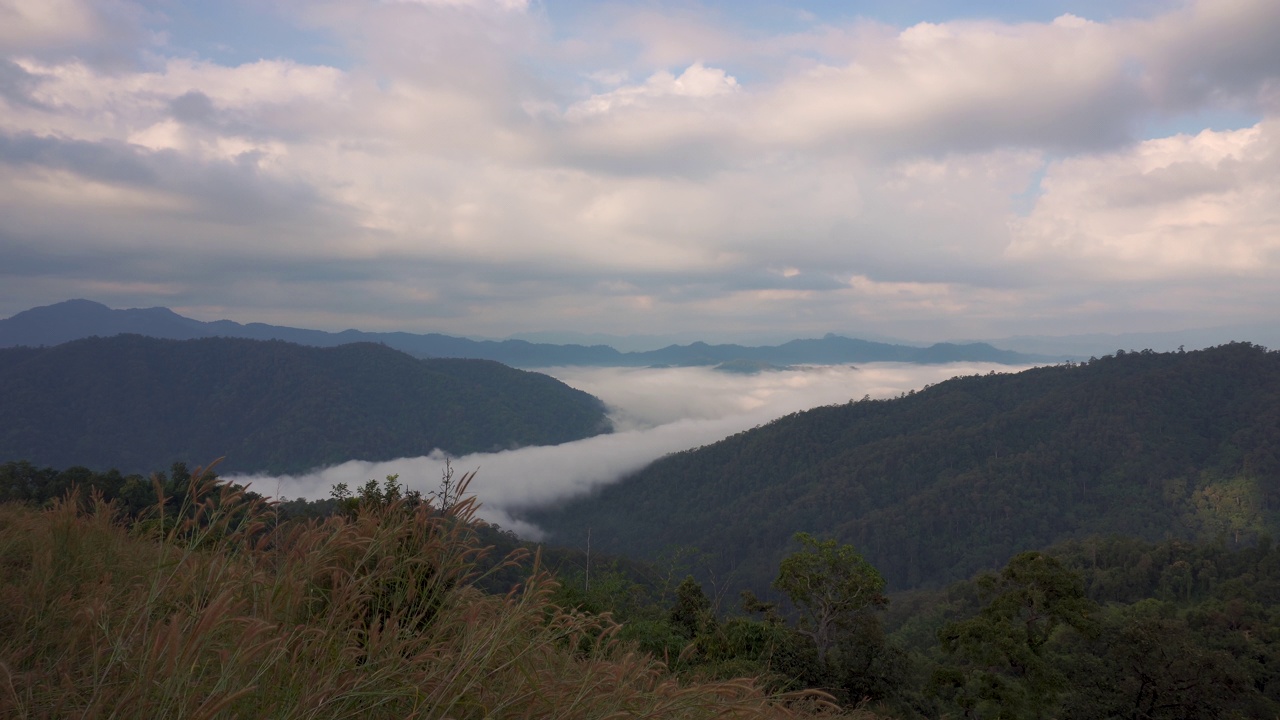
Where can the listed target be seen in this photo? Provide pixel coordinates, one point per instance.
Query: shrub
(211, 610)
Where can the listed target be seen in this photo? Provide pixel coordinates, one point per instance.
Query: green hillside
(138, 404)
(961, 476)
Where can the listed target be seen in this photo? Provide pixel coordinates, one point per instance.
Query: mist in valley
(655, 411)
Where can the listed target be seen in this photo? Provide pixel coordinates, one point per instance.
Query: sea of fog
(655, 411)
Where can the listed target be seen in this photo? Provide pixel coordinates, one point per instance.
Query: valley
(1013, 531)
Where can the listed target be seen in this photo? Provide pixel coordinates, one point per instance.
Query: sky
(917, 169)
(656, 411)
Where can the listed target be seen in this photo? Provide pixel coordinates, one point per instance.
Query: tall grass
(210, 611)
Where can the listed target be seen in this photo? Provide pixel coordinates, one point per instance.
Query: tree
(692, 610)
(1000, 666)
(372, 494)
(832, 586)
(450, 490)
(1148, 662)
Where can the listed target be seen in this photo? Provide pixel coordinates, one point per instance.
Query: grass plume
(209, 610)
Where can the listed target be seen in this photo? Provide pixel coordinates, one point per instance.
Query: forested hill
(936, 485)
(76, 319)
(139, 404)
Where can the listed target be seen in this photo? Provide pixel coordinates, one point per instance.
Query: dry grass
(209, 613)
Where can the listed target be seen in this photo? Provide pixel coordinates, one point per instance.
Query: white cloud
(1206, 205)
(460, 175)
(960, 86)
(658, 411)
(696, 81)
(505, 5)
(1210, 52)
(108, 32)
(45, 22)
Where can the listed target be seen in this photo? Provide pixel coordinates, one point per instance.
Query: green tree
(1148, 662)
(691, 613)
(999, 663)
(832, 586)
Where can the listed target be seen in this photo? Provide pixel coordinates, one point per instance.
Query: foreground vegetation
(210, 602)
(210, 610)
(1102, 628)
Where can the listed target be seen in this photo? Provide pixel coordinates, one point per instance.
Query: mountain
(1082, 346)
(830, 350)
(938, 484)
(139, 404)
(75, 319)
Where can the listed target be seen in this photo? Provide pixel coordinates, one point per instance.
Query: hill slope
(938, 484)
(139, 404)
(76, 319)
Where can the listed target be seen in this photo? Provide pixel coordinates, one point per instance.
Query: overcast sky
(920, 169)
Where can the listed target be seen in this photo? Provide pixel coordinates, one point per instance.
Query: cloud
(16, 84)
(504, 5)
(1187, 206)
(1211, 52)
(106, 31)
(485, 168)
(971, 86)
(658, 411)
(967, 86)
(696, 81)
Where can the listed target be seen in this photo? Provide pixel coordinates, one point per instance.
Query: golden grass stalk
(205, 610)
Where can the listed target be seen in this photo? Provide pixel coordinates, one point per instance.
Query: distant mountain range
(1099, 344)
(77, 319)
(956, 478)
(139, 404)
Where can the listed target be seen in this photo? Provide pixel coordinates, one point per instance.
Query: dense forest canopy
(137, 404)
(938, 484)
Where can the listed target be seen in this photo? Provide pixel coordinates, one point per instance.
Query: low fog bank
(656, 411)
